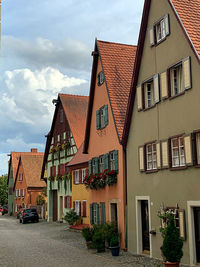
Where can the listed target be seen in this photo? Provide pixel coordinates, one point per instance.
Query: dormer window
(100, 78)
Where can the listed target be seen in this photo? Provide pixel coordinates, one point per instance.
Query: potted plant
(87, 233)
(71, 217)
(98, 238)
(114, 245)
(172, 244)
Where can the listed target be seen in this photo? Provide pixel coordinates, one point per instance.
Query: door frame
(191, 231)
(114, 201)
(138, 200)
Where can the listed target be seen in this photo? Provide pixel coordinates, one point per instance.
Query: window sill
(174, 96)
(145, 109)
(151, 171)
(178, 168)
(160, 41)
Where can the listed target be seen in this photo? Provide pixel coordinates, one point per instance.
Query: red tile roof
(189, 13)
(32, 166)
(75, 108)
(118, 61)
(79, 157)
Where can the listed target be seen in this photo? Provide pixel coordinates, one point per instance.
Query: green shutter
(103, 213)
(106, 114)
(116, 159)
(98, 119)
(106, 161)
(97, 208)
(91, 214)
(90, 166)
(96, 160)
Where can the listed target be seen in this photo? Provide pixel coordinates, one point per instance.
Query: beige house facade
(162, 131)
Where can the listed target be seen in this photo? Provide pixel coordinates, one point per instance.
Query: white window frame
(16, 192)
(101, 164)
(58, 138)
(151, 156)
(160, 29)
(19, 193)
(93, 166)
(23, 193)
(83, 174)
(178, 152)
(149, 93)
(112, 160)
(77, 206)
(76, 176)
(176, 79)
(64, 135)
(94, 213)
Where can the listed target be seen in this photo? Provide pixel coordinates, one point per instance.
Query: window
(112, 161)
(102, 117)
(94, 166)
(160, 31)
(95, 214)
(68, 202)
(16, 193)
(176, 79)
(100, 78)
(149, 94)
(177, 152)
(77, 207)
(58, 138)
(151, 156)
(64, 135)
(52, 141)
(19, 193)
(101, 163)
(83, 174)
(20, 177)
(61, 116)
(76, 176)
(16, 208)
(23, 192)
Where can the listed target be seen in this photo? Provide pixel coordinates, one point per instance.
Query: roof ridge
(62, 94)
(116, 43)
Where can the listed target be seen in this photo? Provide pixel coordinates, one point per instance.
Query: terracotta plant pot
(171, 264)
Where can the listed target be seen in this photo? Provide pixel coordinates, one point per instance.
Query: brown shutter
(163, 85)
(164, 154)
(65, 202)
(63, 169)
(139, 98)
(188, 150)
(187, 80)
(151, 36)
(54, 171)
(79, 208)
(156, 85)
(167, 28)
(158, 159)
(141, 158)
(84, 208)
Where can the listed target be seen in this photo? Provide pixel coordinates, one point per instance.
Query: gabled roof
(32, 166)
(79, 157)
(187, 13)
(117, 61)
(14, 160)
(75, 109)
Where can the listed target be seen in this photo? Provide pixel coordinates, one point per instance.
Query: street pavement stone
(54, 244)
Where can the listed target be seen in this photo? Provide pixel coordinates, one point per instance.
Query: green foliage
(172, 243)
(44, 192)
(98, 238)
(88, 233)
(114, 242)
(71, 217)
(3, 190)
(111, 230)
(40, 200)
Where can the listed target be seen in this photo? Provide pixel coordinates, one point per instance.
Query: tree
(3, 190)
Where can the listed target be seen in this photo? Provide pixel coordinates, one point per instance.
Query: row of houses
(131, 150)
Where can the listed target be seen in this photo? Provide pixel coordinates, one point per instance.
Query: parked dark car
(5, 209)
(28, 215)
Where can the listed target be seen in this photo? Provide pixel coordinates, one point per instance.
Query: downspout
(126, 208)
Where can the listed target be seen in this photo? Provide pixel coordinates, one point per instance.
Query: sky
(45, 50)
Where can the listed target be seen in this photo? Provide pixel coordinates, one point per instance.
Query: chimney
(34, 150)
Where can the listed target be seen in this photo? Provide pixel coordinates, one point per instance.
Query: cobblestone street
(52, 244)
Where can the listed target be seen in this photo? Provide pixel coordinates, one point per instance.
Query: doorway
(114, 215)
(145, 226)
(197, 232)
(55, 207)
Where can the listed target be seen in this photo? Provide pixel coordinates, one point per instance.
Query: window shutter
(79, 208)
(169, 83)
(106, 161)
(84, 208)
(74, 205)
(65, 202)
(139, 98)
(116, 160)
(90, 166)
(96, 160)
(164, 153)
(103, 212)
(188, 150)
(97, 208)
(163, 85)
(63, 169)
(106, 114)
(194, 148)
(58, 169)
(91, 214)
(80, 177)
(156, 85)
(73, 174)
(151, 36)
(98, 119)
(141, 158)
(70, 202)
(187, 79)
(158, 155)
(167, 28)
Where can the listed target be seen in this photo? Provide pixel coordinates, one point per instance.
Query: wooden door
(197, 232)
(55, 206)
(114, 215)
(145, 225)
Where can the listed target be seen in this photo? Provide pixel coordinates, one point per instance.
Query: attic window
(61, 116)
(100, 78)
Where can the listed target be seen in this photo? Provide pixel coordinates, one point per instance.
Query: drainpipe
(126, 210)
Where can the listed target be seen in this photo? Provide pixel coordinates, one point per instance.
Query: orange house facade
(28, 185)
(112, 65)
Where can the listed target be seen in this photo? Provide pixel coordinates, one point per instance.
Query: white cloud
(3, 163)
